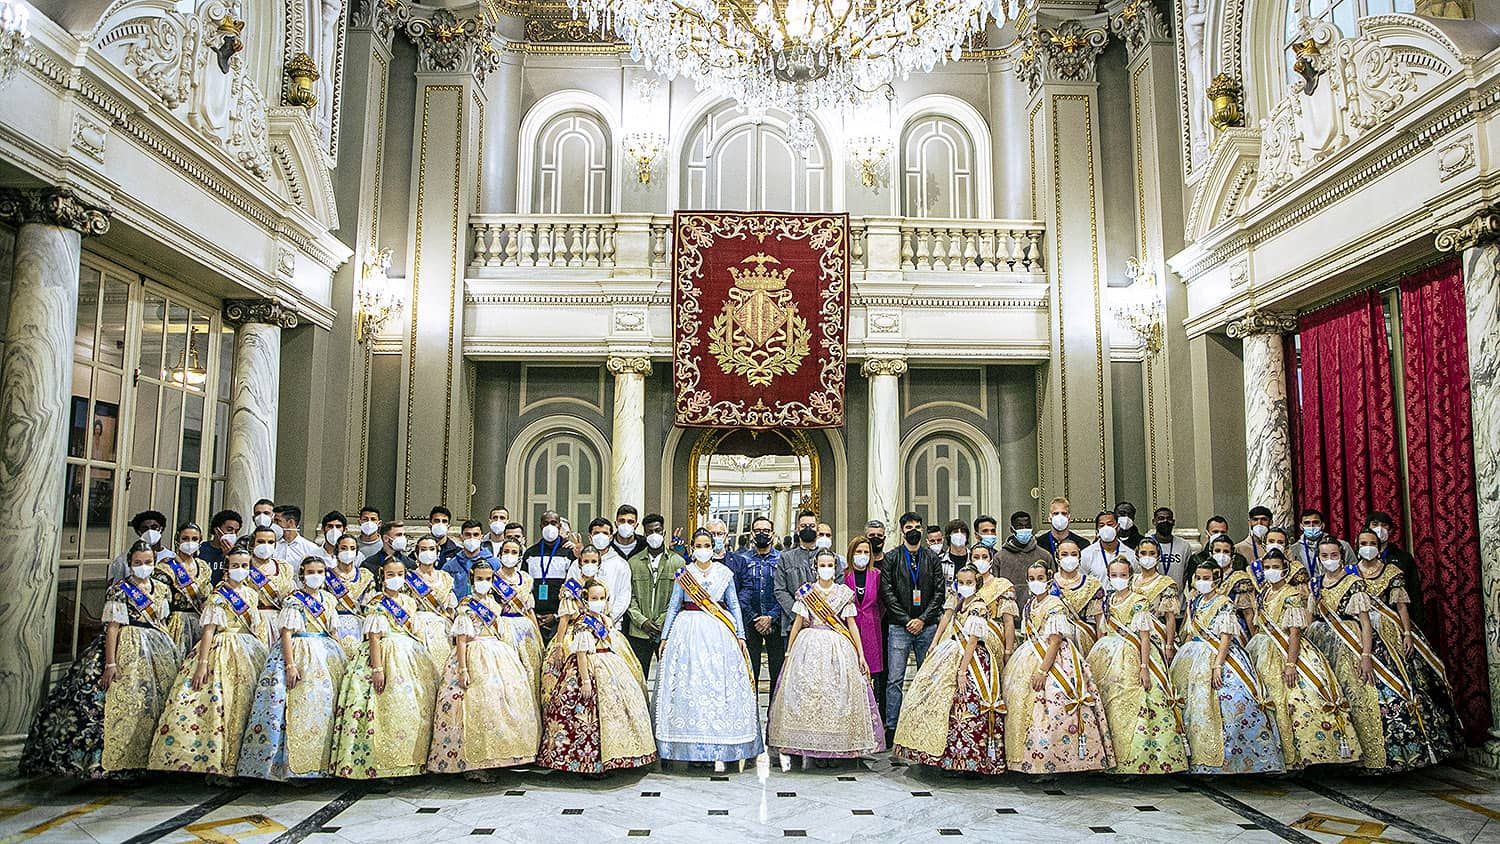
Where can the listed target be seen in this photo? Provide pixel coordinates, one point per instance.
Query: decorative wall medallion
(89, 137)
(632, 320)
(286, 262)
(883, 322)
(1455, 158)
(1239, 273)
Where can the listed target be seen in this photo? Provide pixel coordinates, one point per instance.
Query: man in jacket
(1019, 551)
(652, 569)
(911, 594)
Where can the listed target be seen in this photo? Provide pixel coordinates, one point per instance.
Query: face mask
(825, 573)
(1068, 562)
(142, 572)
(1107, 533)
(598, 607)
(1275, 546)
(720, 542)
(151, 536)
(625, 530)
(1221, 558)
(279, 531)
(471, 544)
(589, 569)
(347, 556)
(229, 539)
(1036, 587)
(703, 555)
(398, 543)
(965, 590)
(1125, 522)
(1259, 531)
(314, 581)
(264, 551)
(549, 533)
(988, 541)
(510, 561)
(1312, 531)
(368, 528)
(1118, 583)
(1382, 532)
(238, 575)
(482, 587)
(654, 540)
(599, 541)
(1331, 566)
(958, 540)
(427, 557)
(876, 542)
(1147, 561)
(982, 565)
(762, 539)
(1059, 522)
(823, 542)
(188, 548)
(807, 534)
(912, 536)
(1273, 575)
(1023, 536)
(395, 584)
(333, 536)
(497, 528)
(440, 529)
(1164, 528)
(1368, 552)
(262, 519)
(861, 561)
(1204, 586)
(935, 547)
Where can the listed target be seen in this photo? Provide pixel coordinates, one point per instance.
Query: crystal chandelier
(14, 35)
(797, 55)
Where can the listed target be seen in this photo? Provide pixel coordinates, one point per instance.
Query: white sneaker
(786, 763)
(718, 767)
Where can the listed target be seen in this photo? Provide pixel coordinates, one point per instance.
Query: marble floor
(862, 799)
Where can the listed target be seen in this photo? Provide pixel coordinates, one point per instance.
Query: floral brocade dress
(1062, 727)
(1145, 723)
(385, 733)
(350, 591)
(433, 592)
(607, 729)
(1085, 600)
(1312, 715)
(824, 705)
(290, 732)
(1429, 677)
(200, 730)
(271, 589)
(959, 724)
(189, 584)
(1229, 729)
(496, 721)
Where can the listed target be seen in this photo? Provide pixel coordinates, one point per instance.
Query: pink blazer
(871, 625)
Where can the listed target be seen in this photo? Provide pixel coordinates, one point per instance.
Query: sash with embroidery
(595, 626)
(265, 587)
(987, 683)
(341, 590)
(699, 595)
(485, 615)
(1076, 690)
(425, 591)
(237, 603)
(813, 600)
(1232, 659)
(182, 580)
(575, 591)
(1423, 649)
(510, 596)
(314, 607)
(142, 602)
(397, 613)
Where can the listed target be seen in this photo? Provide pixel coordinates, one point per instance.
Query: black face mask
(913, 536)
(1164, 528)
(807, 534)
(876, 543)
(762, 539)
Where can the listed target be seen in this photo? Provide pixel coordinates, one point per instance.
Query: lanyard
(911, 566)
(547, 561)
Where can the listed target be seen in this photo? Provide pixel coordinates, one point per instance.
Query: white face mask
(861, 561)
(1107, 533)
(1125, 522)
(348, 556)
(427, 557)
(599, 541)
(395, 584)
(1204, 586)
(264, 551)
(1368, 552)
(935, 547)
(279, 531)
(965, 590)
(151, 535)
(958, 540)
(625, 530)
(1259, 531)
(482, 587)
(188, 548)
(398, 543)
(1275, 546)
(1118, 583)
(1036, 587)
(982, 565)
(368, 528)
(237, 575)
(654, 541)
(440, 529)
(1147, 561)
(142, 572)
(598, 607)
(825, 573)
(823, 542)
(1273, 575)
(1382, 532)
(333, 536)
(1068, 562)
(589, 569)
(549, 533)
(262, 519)
(314, 581)
(229, 539)
(1060, 522)
(1331, 566)
(1221, 558)
(510, 561)
(703, 555)
(471, 544)
(497, 528)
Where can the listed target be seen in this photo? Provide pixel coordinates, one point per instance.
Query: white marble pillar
(781, 499)
(1268, 451)
(250, 472)
(627, 477)
(884, 436)
(35, 398)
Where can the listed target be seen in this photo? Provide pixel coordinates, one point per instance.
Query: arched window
(572, 160)
(563, 472)
(937, 169)
(733, 161)
(1342, 13)
(943, 479)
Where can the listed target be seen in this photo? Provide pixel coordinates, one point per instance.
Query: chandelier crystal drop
(15, 35)
(797, 55)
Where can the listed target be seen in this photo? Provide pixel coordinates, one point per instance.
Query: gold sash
(1075, 690)
(1157, 671)
(815, 602)
(1422, 647)
(1396, 679)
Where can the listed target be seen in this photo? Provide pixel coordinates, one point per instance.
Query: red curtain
(1347, 463)
(1440, 482)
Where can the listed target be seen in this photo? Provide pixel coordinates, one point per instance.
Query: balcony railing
(643, 241)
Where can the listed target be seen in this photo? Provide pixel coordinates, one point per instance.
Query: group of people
(356, 654)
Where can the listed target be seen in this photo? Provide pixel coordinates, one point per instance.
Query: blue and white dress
(705, 708)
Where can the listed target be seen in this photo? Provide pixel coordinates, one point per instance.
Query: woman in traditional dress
(189, 580)
(953, 715)
(383, 723)
(206, 713)
(863, 578)
(824, 706)
(705, 705)
(100, 718)
(272, 580)
(1055, 719)
(350, 584)
(1229, 730)
(570, 605)
(1391, 614)
(1238, 584)
(1161, 591)
(290, 732)
(1082, 595)
(597, 719)
(487, 714)
(1301, 689)
(432, 588)
(1130, 668)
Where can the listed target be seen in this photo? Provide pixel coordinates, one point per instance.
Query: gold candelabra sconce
(1141, 307)
(303, 73)
(870, 155)
(378, 299)
(643, 148)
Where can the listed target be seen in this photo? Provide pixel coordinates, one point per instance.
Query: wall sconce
(869, 153)
(303, 72)
(1140, 307)
(643, 148)
(15, 36)
(378, 299)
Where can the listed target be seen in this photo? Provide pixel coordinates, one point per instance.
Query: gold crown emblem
(760, 278)
(229, 24)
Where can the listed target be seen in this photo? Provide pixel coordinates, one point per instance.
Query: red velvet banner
(760, 305)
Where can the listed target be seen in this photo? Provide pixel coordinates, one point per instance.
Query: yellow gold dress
(350, 591)
(1062, 727)
(433, 592)
(146, 660)
(271, 589)
(385, 734)
(189, 583)
(1146, 724)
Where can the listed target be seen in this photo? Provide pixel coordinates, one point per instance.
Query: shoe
(890, 737)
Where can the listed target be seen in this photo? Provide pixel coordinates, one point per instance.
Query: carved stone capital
(1064, 53)
(382, 17)
(883, 366)
(1139, 23)
(1483, 228)
(238, 312)
(447, 43)
(1262, 322)
(53, 207)
(620, 365)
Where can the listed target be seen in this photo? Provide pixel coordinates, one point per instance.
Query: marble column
(35, 401)
(250, 470)
(883, 467)
(1268, 450)
(627, 476)
(1479, 242)
(781, 499)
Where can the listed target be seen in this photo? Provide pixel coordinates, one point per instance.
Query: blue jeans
(899, 643)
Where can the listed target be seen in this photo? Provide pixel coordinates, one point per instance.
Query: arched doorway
(736, 474)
